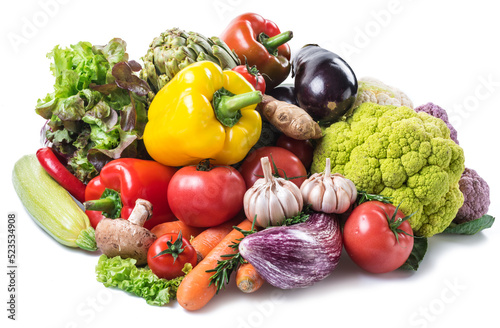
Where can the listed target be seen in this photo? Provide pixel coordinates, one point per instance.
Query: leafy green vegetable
(142, 282)
(416, 255)
(97, 111)
(471, 227)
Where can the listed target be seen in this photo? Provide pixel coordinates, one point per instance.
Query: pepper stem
(227, 106)
(109, 204)
(272, 43)
(103, 204)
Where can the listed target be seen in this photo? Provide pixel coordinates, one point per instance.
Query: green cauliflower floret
(397, 152)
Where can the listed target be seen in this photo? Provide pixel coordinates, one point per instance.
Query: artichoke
(175, 49)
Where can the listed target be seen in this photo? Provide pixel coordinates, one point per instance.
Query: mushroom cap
(119, 237)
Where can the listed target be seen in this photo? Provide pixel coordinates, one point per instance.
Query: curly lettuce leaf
(125, 275)
(114, 51)
(125, 79)
(97, 110)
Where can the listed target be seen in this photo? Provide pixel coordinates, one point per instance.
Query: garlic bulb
(272, 199)
(327, 192)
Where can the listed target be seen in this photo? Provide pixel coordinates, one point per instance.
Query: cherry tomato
(252, 75)
(286, 162)
(370, 240)
(168, 255)
(206, 195)
(303, 149)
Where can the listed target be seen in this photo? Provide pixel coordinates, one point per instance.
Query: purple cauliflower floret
(476, 197)
(436, 111)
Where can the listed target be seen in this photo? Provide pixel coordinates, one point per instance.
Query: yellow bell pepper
(203, 112)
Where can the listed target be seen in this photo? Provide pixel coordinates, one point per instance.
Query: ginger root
(291, 120)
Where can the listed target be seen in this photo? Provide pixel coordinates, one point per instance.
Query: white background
(446, 52)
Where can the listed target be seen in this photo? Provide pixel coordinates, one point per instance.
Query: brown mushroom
(127, 238)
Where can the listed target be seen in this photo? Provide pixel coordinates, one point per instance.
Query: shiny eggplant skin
(284, 92)
(325, 85)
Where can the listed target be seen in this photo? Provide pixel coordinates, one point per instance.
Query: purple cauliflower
(436, 111)
(476, 197)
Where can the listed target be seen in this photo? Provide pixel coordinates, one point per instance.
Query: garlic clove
(291, 200)
(329, 201)
(343, 201)
(275, 207)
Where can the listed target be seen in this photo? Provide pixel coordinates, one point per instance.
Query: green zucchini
(51, 206)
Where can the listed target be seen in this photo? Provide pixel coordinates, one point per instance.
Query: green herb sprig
(231, 262)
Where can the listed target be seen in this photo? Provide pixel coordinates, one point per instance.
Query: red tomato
(206, 198)
(252, 75)
(371, 242)
(286, 162)
(303, 149)
(168, 254)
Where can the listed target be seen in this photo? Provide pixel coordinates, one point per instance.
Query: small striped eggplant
(295, 256)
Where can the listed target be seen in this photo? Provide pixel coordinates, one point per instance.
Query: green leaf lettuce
(97, 110)
(125, 275)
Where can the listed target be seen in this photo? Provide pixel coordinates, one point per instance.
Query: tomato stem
(395, 222)
(174, 248)
(204, 165)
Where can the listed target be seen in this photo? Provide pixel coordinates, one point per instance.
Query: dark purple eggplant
(284, 92)
(325, 85)
(295, 256)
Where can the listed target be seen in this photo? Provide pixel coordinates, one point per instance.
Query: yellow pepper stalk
(203, 112)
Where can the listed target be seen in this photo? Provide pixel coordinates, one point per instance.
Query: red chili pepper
(121, 182)
(49, 161)
(260, 42)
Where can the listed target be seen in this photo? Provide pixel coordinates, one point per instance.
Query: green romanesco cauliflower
(397, 152)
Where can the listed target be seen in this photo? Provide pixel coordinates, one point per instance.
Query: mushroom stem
(142, 211)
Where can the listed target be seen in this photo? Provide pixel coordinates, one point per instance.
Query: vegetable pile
(202, 165)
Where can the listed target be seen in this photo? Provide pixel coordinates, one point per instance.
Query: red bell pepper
(121, 182)
(260, 42)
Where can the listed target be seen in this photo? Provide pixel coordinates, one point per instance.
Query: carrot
(188, 232)
(290, 119)
(248, 279)
(208, 239)
(196, 289)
